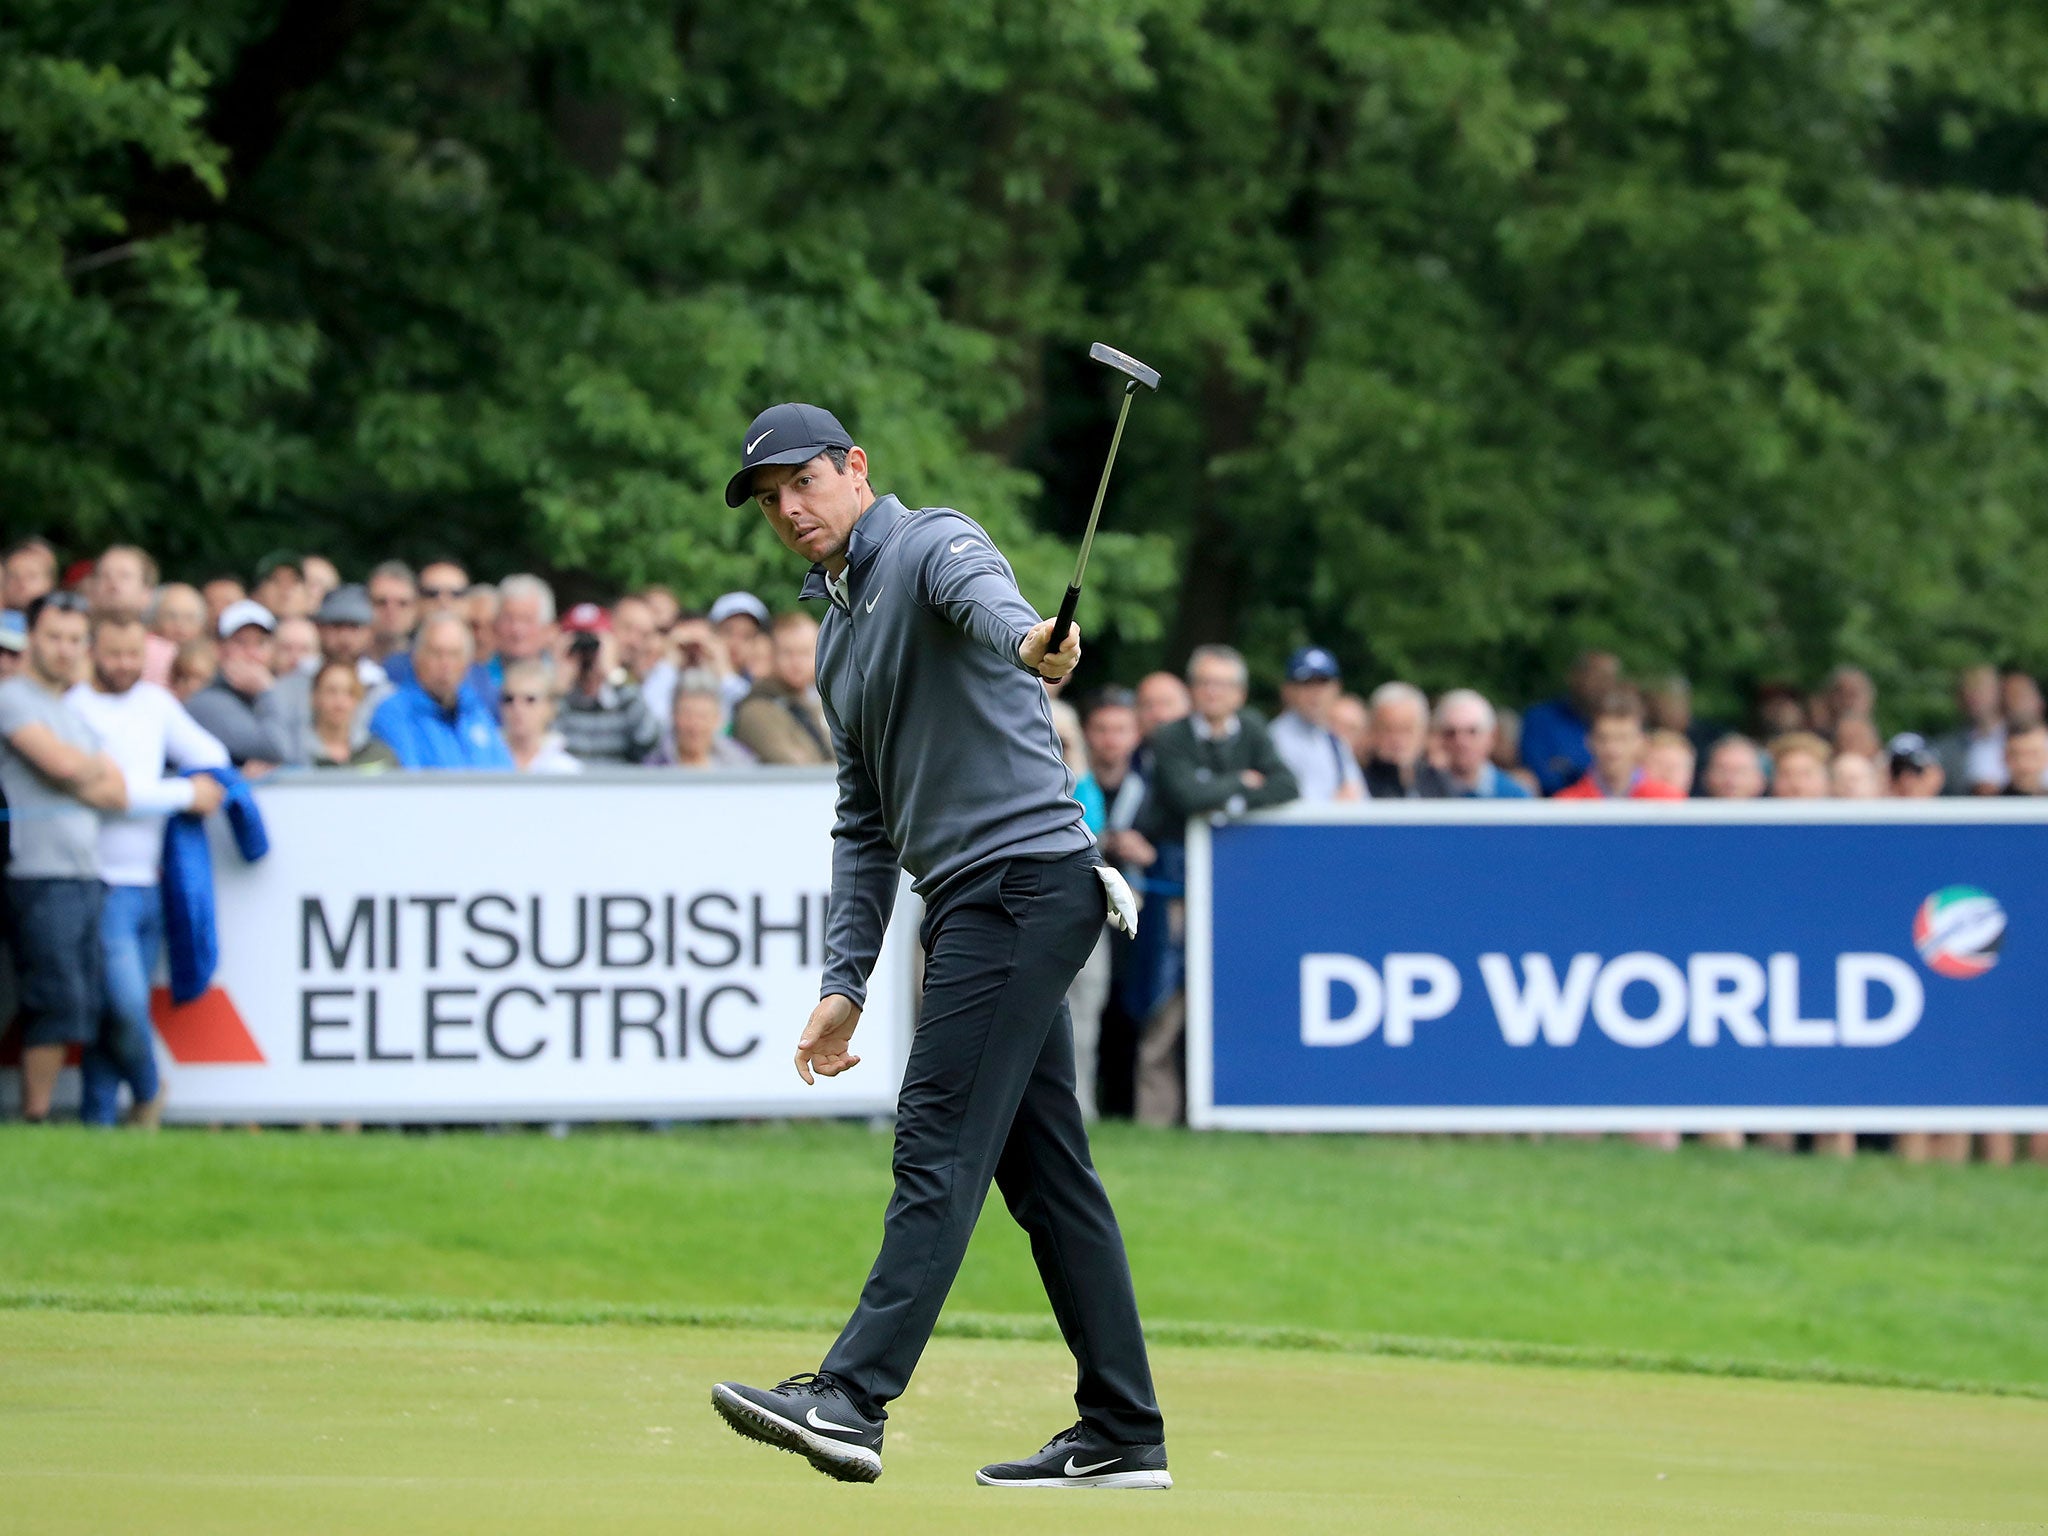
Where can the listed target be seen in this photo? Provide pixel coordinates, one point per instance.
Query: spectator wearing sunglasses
(526, 709)
(442, 587)
(395, 609)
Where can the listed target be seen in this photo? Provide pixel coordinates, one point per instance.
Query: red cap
(587, 619)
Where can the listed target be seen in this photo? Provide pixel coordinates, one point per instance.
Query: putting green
(232, 1424)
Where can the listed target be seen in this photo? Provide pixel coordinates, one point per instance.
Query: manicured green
(1868, 1269)
(230, 1425)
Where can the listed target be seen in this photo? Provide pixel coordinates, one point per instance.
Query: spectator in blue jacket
(1555, 734)
(436, 720)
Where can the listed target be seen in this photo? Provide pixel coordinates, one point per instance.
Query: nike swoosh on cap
(838, 1429)
(757, 442)
(1074, 1471)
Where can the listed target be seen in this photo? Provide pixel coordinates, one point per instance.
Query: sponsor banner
(484, 947)
(1463, 966)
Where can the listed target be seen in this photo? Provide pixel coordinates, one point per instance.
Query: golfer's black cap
(784, 434)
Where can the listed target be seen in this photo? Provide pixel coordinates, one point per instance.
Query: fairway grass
(226, 1425)
(1588, 1252)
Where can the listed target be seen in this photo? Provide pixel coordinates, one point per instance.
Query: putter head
(1124, 363)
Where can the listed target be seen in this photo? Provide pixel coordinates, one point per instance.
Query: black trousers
(989, 1091)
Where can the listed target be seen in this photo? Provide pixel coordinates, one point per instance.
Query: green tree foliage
(1706, 329)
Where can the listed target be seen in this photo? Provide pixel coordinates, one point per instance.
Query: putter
(1138, 374)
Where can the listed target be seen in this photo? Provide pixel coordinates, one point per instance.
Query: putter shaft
(1102, 486)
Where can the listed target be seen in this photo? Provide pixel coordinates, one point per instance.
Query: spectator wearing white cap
(240, 707)
(603, 719)
(1466, 724)
(742, 620)
(1323, 765)
(739, 617)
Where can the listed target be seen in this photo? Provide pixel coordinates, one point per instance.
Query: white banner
(440, 947)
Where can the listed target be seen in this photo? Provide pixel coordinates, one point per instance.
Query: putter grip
(1064, 619)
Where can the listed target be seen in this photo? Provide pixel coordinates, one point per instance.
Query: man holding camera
(603, 718)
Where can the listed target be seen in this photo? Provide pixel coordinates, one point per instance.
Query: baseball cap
(243, 612)
(784, 434)
(1909, 749)
(1313, 664)
(279, 560)
(733, 603)
(13, 631)
(587, 619)
(348, 604)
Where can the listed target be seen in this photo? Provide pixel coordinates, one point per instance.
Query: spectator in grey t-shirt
(55, 777)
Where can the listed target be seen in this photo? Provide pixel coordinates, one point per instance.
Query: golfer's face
(812, 507)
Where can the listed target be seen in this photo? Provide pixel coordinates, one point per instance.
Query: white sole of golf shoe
(834, 1458)
(1159, 1479)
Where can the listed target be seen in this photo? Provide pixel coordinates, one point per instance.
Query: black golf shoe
(1080, 1458)
(809, 1415)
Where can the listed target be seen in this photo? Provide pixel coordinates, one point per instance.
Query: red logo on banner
(208, 1031)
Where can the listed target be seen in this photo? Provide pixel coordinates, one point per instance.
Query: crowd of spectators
(112, 679)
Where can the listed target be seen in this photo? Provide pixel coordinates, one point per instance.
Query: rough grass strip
(970, 1325)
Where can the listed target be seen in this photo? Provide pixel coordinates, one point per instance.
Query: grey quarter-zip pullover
(948, 759)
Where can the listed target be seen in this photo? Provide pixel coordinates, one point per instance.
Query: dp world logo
(1958, 931)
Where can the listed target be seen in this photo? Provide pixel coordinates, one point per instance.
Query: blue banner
(1690, 967)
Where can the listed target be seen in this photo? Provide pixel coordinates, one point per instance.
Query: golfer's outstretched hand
(1032, 652)
(823, 1046)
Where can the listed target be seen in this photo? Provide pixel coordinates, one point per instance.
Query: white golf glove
(1123, 906)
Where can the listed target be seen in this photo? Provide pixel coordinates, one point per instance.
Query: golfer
(932, 667)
